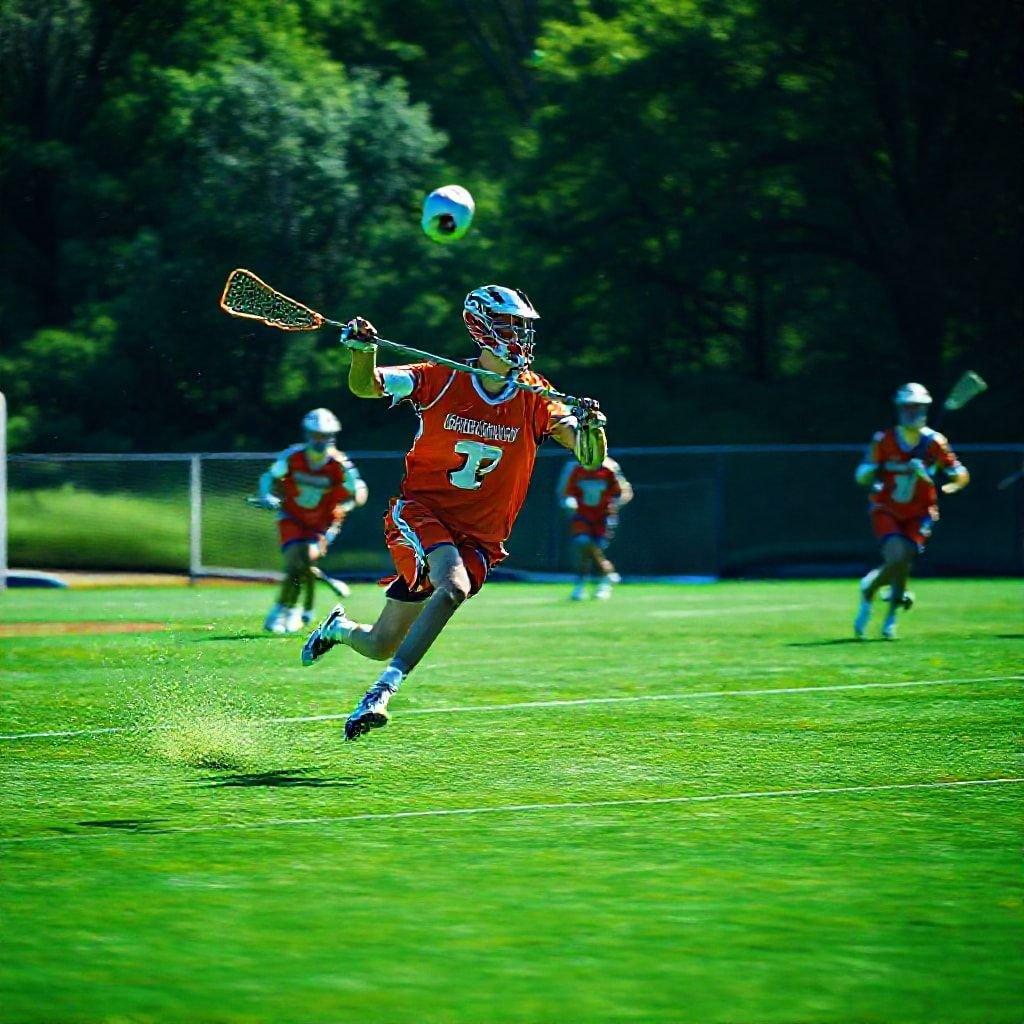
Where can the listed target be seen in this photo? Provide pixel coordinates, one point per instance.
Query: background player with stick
(312, 486)
(592, 498)
(899, 467)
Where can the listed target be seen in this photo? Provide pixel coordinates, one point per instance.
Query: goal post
(3, 492)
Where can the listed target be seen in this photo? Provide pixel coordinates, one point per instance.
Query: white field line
(668, 613)
(568, 805)
(529, 705)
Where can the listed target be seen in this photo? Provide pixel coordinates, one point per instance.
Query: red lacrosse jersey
(596, 491)
(897, 487)
(312, 494)
(474, 453)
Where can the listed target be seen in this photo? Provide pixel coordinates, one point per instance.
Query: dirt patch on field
(88, 628)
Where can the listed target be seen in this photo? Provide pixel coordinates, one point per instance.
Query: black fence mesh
(697, 512)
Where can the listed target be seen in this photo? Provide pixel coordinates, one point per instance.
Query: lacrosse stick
(965, 390)
(338, 587)
(245, 295)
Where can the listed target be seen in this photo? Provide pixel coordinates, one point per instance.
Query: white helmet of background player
(501, 319)
(321, 426)
(912, 401)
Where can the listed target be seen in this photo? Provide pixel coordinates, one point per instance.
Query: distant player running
(593, 497)
(311, 486)
(899, 467)
(465, 481)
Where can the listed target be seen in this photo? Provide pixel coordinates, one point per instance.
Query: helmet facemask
(912, 402)
(501, 321)
(912, 414)
(321, 427)
(318, 442)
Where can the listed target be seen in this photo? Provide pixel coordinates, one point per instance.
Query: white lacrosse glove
(920, 469)
(570, 504)
(358, 335)
(271, 502)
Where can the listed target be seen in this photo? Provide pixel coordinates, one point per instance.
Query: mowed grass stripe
(568, 805)
(540, 704)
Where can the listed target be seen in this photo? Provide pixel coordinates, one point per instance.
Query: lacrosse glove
(358, 335)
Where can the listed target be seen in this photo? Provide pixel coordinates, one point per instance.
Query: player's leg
(288, 591)
(380, 641)
(451, 586)
(886, 527)
(604, 565)
(898, 553)
(314, 552)
(584, 561)
(297, 579)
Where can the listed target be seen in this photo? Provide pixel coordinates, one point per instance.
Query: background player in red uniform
(899, 467)
(465, 481)
(311, 486)
(593, 498)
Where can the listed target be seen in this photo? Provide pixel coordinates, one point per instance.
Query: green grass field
(688, 804)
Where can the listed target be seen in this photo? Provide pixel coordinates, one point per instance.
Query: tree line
(740, 219)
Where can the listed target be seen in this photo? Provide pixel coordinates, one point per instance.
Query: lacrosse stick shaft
(476, 371)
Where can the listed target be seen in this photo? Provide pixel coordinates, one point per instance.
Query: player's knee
(453, 591)
(454, 586)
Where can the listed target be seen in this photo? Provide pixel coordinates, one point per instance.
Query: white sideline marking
(569, 805)
(668, 613)
(530, 704)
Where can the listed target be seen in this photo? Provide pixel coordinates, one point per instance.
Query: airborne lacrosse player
(899, 467)
(593, 497)
(311, 486)
(466, 478)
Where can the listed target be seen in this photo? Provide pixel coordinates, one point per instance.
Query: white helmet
(511, 341)
(916, 396)
(320, 421)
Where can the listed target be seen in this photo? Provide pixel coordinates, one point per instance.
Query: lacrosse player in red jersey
(899, 467)
(466, 477)
(311, 486)
(593, 497)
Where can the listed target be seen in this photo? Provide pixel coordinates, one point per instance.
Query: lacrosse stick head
(245, 295)
(969, 386)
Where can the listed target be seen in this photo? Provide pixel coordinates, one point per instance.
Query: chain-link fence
(698, 511)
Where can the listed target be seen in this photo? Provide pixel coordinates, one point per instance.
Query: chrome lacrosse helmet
(912, 401)
(321, 426)
(501, 319)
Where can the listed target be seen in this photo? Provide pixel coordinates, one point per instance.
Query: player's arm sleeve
(942, 455)
(868, 467)
(625, 488)
(277, 471)
(566, 492)
(418, 383)
(355, 485)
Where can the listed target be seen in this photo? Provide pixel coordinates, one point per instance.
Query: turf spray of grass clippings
(186, 723)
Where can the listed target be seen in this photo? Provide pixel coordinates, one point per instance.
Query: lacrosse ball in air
(447, 214)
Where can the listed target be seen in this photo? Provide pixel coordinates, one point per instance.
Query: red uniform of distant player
(311, 486)
(313, 497)
(466, 479)
(904, 502)
(899, 466)
(593, 498)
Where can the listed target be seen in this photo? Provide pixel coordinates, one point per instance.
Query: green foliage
(763, 192)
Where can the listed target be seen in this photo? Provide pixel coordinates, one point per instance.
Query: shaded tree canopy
(768, 213)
